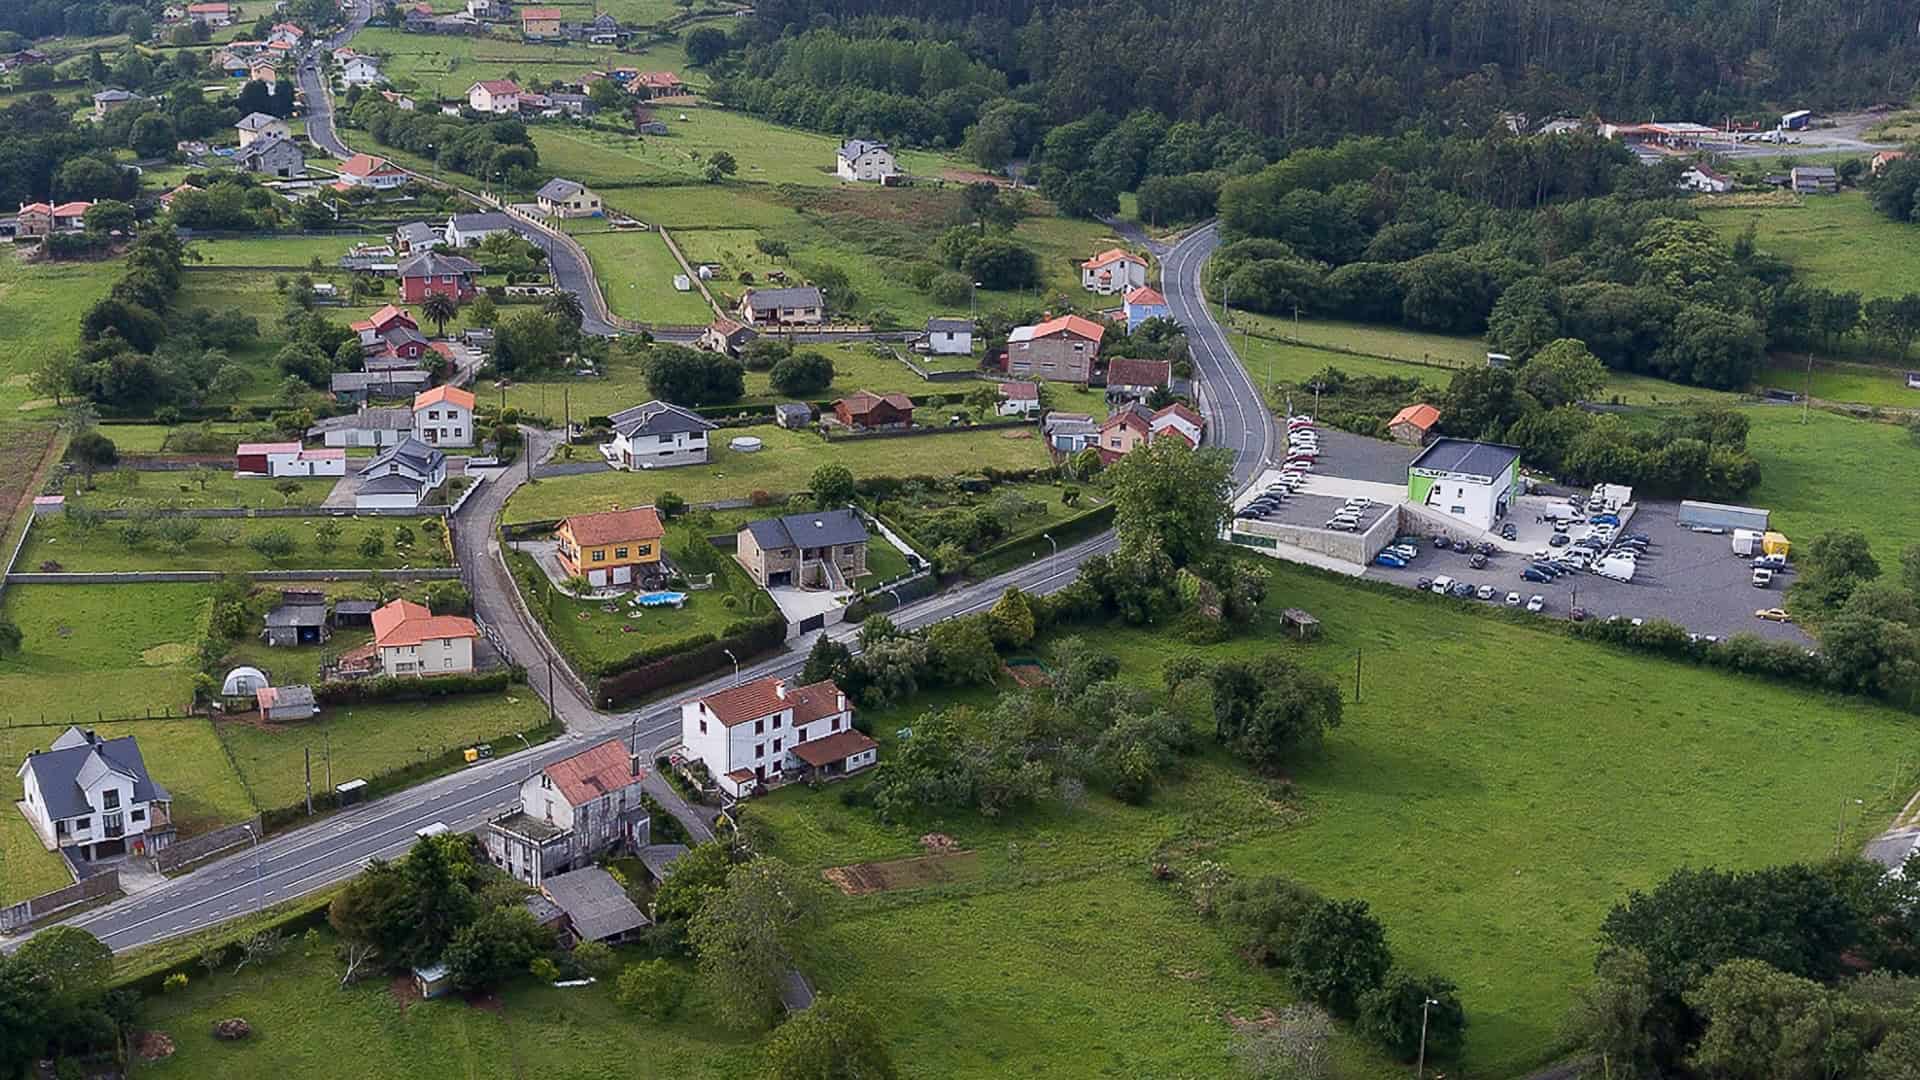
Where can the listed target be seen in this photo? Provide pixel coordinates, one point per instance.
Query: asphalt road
(309, 859)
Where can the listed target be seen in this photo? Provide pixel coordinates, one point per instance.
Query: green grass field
(591, 636)
(123, 489)
(1832, 472)
(131, 646)
(1835, 242)
(1867, 384)
(782, 467)
(43, 302)
(367, 740)
(154, 438)
(636, 272)
(223, 545)
(27, 868)
(444, 66)
(279, 250)
(1489, 822)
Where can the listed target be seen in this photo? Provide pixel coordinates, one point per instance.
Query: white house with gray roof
(863, 159)
(567, 199)
(949, 337)
(401, 476)
(92, 797)
(801, 305)
(467, 230)
(259, 125)
(657, 435)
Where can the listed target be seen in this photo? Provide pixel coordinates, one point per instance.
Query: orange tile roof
(72, 209)
(1019, 391)
(406, 623)
(762, 697)
(1129, 371)
(1080, 327)
(451, 394)
(379, 320)
(1184, 413)
(366, 165)
(1145, 297)
(815, 702)
(861, 402)
(1111, 255)
(592, 773)
(613, 526)
(833, 749)
(532, 13)
(498, 86)
(1421, 415)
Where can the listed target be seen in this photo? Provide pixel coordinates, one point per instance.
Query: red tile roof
(1184, 413)
(406, 623)
(533, 13)
(246, 448)
(861, 402)
(816, 702)
(1145, 296)
(499, 86)
(367, 165)
(452, 395)
(592, 773)
(1420, 415)
(1073, 324)
(72, 209)
(1019, 391)
(660, 79)
(762, 697)
(1111, 255)
(833, 749)
(614, 526)
(1127, 371)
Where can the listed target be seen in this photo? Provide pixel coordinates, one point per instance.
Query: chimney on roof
(633, 763)
(840, 702)
(780, 688)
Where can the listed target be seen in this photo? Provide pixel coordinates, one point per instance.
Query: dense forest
(1305, 70)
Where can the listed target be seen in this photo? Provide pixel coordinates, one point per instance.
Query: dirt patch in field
(1028, 676)
(253, 719)
(173, 652)
(1017, 433)
(404, 992)
(1267, 1019)
(485, 1002)
(153, 1045)
(861, 879)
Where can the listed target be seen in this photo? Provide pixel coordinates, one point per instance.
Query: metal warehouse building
(1706, 515)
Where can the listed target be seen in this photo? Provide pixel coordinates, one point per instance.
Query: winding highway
(308, 859)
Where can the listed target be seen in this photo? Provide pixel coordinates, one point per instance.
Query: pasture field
(44, 302)
(636, 272)
(1836, 242)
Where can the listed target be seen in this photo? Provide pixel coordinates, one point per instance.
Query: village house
(281, 704)
(949, 337)
(430, 272)
(443, 416)
(371, 327)
(798, 306)
(767, 731)
(1813, 180)
(865, 410)
(92, 797)
(1130, 379)
(399, 101)
(613, 547)
(361, 71)
(262, 70)
(273, 156)
(416, 236)
(1703, 178)
(1134, 425)
(486, 9)
(657, 435)
(1144, 303)
(1413, 425)
(567, 199)
(287, 459)
(1061, 349)
(1883, 159)
(792, 415)
(365, 170)
(539, 23)
(570, 813)
(566, 103)
(213, 15)
(864, 160)
(724, 335)
(1113, 271)
(44, 219)
(494, 96)
(390, 384)
(112, 100)
(286, 34)
(653, 84)
(375, 427)
(1069, 433)
(824, 549)
(413, 641)
(259, 125)
(1018, 398)
(468, 230)
(401, 476)
(299, 619)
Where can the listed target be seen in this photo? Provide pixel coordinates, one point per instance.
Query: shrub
(655, 988)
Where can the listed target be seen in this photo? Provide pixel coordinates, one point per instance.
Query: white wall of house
(111, 795)
(1172, 422)
(870, 166)
(363, 437)
(434, 656)
(443, 424)
(946, 343)
(755, 745)
(660, 451)
(1122, 274)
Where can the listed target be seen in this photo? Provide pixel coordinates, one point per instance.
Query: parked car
(1484, 592)
(1762, 578)
(1513, 599)
(1477, 561)
(1604, 519)
(1509, 533)
(1536, 602)
(1442, 584)
(1406, 551)
(1559, 539)
(1462, 590)
(1423, 584)
(1388, 558)
(1441, 543)
(1531, 574)
(1773, 614)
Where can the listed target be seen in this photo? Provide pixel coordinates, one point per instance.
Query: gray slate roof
(557, 188)
(800, 296)
(659, 859)
(595, 903)
(256, 121)
(355, 607)
(409, 453)
(401, 335)
(853, 148)
(390, 363)
(658, 418)
(1466, 457)
(117, 94)
(397, 381)
(365, 420)
(490, 221)
(433, 264)
(794, 408)
(391, 484)
(58, 770)
(938, 325)
(417, 234)
(269, 144)
(297, 615)
(817, 529)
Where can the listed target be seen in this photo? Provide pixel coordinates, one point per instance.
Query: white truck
(1747, 541)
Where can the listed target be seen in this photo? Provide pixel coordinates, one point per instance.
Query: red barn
(429, 272)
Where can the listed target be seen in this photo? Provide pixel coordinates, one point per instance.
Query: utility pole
(1806, 398)
(307, 751)
(329, 752)
(1356, 676)
(1420, 1071)
(550, 713)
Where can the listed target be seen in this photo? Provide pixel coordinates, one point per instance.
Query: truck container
(1774, 543)
(1747, 541)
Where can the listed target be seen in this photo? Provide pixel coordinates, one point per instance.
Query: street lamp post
(973, 303)
(736, 663)
(1420, 1070)
(259, 898)
(1051, 559)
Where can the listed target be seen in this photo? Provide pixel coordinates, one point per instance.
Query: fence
(917, 431)
(16, 916)
(181, 852)
(129, 577)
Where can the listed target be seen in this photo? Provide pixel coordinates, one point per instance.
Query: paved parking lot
(1689, 578)
(1314, 511)
(1357, 457)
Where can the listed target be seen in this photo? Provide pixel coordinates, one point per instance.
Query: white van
(438, 828)
(1442, 583)
(1615, 569)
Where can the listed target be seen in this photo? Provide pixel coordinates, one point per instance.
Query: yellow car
(1773, 614)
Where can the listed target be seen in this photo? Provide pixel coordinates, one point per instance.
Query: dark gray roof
(1815, 172)
(1466, 457)
(800, 296)
(793, 408)
(389, 362)
(365, 420)
(268, 144)
(595, 903)
(397, 335)
(853, 148)
(400, 382)
(658, 418)
(297, 615)
(58, 770)
(543, 910)
(390, 484)
(490, 220)
(938, 325)
(817, 529)
(409, 452)
(117, 94)
(433, 264)
(254, 121)
(557, 188)
(417, 232)
(659, 859)
(355, 607)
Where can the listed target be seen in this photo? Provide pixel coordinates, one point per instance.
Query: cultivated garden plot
(214, 489)
(78, 543)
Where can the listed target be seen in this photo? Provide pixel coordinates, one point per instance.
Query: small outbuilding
(301, 619)
(1300, 623)
(243, 681)
(433, 981)
(596, 905)
(793, 415)
(286, 703)
(1413, 425)
(354, 612)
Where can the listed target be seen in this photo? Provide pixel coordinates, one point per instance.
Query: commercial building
(1474, 482)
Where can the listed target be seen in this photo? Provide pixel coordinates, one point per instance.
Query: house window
(599, 554)
(645, 550)
(776, 721)
(703, 727)
(139, 815)
(759, 750)
(546, 782)
(834, 725)
(799, 736)
(620, 553)
(110, 799)
(776, 746)
(81, 824)
(60, 828)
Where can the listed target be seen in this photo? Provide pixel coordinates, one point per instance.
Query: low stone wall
(1358, 548)
(128, 577)
(182, 852)
(279, 512)
(15, 916)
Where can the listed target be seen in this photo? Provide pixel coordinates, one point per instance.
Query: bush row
(360, 691)
(1747, 654)
(746, 639)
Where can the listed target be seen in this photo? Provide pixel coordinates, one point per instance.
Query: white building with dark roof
(865, 160)
(657, 435)
(92, 797)
(467, 230)
(1474, 482)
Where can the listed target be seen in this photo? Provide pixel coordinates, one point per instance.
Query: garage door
(622, 575)
(596, 578)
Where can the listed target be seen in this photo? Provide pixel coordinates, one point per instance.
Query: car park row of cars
(1303, 446)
